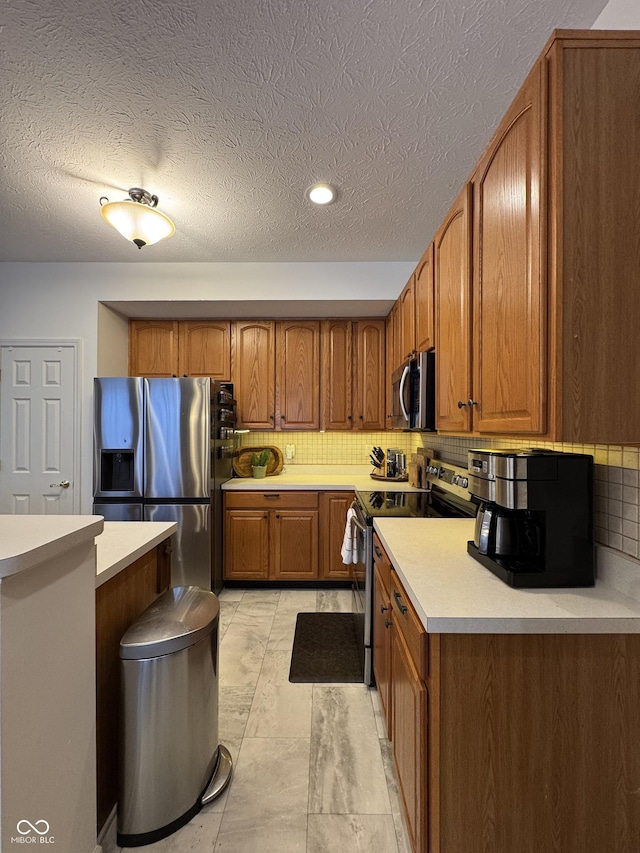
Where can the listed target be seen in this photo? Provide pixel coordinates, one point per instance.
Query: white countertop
(28, 540)
(317, 477)
(122, 542)
(453, 593)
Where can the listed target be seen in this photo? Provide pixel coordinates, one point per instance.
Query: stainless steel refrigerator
(162, 449)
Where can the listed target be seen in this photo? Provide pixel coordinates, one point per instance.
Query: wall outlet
(289, 451)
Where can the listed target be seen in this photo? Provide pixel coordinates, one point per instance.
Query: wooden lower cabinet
(407, 693)
(333, 512)
(382, 628)
(271, 536)
(246, 544)
(295, 544)
(409, 738)
(287, 535)
(119, 602)
(511, 742)
(535, 743)
(382, 646)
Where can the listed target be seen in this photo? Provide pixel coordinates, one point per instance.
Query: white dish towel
(349, 550)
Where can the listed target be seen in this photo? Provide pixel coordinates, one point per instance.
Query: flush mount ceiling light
(136, 218)
(321, 194)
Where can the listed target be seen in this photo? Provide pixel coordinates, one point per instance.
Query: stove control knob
(456, 480)
(464, 482)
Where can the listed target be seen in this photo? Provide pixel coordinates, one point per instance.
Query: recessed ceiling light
(321, 194)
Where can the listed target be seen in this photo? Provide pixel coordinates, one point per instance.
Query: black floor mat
(326, 649)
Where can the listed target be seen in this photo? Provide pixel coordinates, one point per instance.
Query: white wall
(113, 343)
(61, 301)
(619, 15)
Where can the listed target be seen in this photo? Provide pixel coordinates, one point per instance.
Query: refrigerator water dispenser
(117, 471)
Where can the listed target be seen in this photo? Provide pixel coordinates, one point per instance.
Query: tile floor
(313, 771)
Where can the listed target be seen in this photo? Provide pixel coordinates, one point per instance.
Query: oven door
(362, 584)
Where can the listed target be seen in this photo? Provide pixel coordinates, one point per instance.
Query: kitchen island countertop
(453, 593)
(123, 542)
(318, 478)
(30, 540)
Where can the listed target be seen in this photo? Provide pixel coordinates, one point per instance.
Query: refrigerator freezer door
(191, 555)
(118, 512)
(118, 437)
(177, 437)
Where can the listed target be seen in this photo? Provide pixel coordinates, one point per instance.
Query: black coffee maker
(534, 525)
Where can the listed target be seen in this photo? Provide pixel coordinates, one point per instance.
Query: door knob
(64, 484)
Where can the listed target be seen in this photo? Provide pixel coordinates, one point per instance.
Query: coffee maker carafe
(498, 531)
(534, 524)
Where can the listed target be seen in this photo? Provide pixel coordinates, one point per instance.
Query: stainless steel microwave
(413, 398)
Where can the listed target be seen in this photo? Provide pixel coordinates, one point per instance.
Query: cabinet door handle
(383, 609)
(270, 495)
(277, 515)
(473, 402)
(461, 404)
(378, 552)
(403, 607)
(387, 623)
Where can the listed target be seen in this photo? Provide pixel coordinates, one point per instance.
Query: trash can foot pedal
(221, 776)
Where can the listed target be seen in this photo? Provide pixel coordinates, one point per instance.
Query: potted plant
(259, 463)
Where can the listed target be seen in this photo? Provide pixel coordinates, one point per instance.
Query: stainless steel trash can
(171, 763)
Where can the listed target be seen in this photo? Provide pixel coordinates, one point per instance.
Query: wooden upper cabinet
(297, 372)
(394, 357)
(425, 331)
(509, 288)
(594, 237)
(153, 348)
(452, 277)
(407, 321)
(253, 367)
(370, 392)
(337, 370)
(205, 349)
(180, 348)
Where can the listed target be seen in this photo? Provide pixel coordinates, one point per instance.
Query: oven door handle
(355, 521)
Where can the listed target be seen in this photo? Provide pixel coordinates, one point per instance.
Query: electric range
(446, 496)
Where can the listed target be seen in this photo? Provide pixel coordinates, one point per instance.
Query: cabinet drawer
(271, 499)
(406, 620)
(382, 563)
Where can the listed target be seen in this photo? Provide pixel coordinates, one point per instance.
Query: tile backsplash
(330, 448)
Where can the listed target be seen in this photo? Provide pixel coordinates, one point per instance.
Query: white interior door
(39, 462)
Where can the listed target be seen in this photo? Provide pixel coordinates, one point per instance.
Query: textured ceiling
(228, 110)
